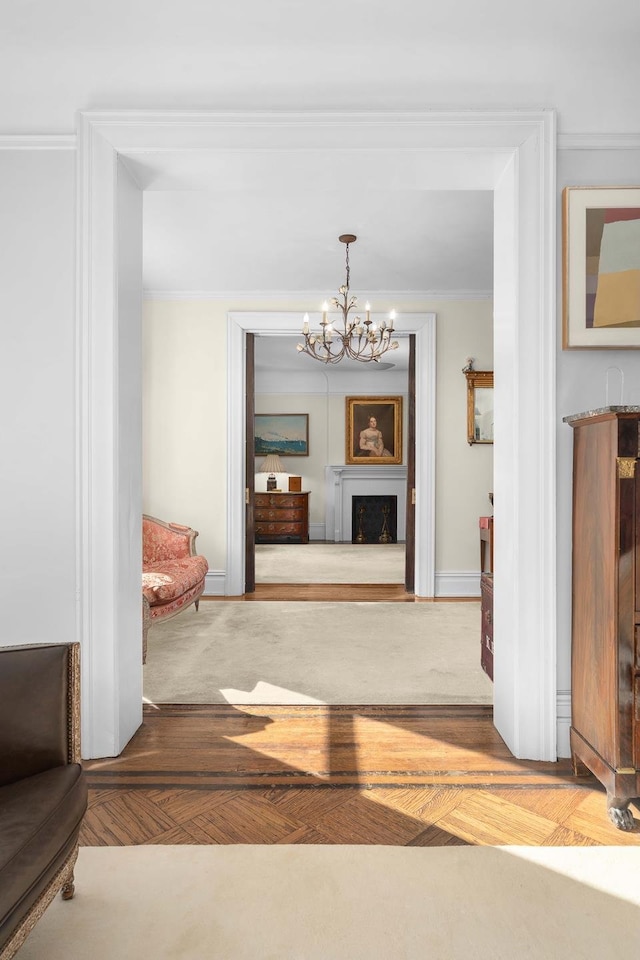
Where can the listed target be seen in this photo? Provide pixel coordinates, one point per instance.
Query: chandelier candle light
(358, 339)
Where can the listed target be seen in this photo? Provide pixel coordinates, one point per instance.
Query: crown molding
(38, 141)
(565, 141)
(266, 296)
(599, 141)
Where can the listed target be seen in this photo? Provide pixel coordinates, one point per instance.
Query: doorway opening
(512, 153)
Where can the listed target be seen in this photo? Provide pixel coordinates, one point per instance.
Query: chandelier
(357, 339)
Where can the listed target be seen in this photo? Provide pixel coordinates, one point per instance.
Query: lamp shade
(272, 464)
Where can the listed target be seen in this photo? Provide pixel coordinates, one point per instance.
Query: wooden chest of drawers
(605, 648)
(282, 517)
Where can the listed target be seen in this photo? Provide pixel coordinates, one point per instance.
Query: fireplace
(374, 519)
(344, 482)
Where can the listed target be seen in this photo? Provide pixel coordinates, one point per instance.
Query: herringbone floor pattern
(407, 776)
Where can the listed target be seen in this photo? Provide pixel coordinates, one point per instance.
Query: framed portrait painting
(601, 267)
(373, 430)
(285, 434)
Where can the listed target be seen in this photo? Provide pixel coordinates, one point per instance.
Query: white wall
(37, 396)
(582, 379)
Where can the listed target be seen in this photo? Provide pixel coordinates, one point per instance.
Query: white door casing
(511, 153)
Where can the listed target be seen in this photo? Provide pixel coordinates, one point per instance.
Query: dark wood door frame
(249, 467)
(410, 536)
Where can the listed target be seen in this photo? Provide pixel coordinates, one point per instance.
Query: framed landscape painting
(373, 430)
(601, 267)
(286, 434)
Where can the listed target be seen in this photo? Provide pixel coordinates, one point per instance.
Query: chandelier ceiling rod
(357, 339)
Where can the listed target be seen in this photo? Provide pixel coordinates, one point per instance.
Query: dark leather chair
(43, 794)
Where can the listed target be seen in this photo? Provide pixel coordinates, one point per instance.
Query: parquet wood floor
(407, 776)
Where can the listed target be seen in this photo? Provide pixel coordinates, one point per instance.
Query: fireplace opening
(374, 519)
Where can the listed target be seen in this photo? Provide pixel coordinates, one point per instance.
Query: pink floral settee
(173, 574)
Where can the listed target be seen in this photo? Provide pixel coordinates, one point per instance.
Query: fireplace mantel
(343, 482)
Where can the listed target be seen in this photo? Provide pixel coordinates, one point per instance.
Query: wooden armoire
(605, 632)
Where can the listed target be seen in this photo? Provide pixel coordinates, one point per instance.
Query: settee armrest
(39, 709)
(166, 541)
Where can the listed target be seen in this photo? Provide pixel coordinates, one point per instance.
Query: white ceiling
(266, 223)
(287, 241)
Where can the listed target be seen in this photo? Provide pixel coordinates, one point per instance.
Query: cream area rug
(320, 562)
(277, 652)
(346, 903)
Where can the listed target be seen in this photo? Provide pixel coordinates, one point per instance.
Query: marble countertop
(599, 411)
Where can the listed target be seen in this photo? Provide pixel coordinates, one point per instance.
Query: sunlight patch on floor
(264, 692)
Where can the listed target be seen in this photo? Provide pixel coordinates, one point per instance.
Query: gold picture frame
(479, 406)
(373, 432)
(600, 268)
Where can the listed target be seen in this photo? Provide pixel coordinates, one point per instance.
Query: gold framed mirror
(479, 406)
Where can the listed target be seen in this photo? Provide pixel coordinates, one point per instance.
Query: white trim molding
(215, 583)
(599, 141)
(278, 323)
(512, 153)
(563, 707)
(457, 583)
(38, 142)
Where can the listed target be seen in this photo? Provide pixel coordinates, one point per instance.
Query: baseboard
(563, 722)
(317, 531)
(215, 583)
(452, 583)
(448, 583)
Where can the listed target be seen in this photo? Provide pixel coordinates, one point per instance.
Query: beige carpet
(320, 562)
(274, 652)
(346, 903)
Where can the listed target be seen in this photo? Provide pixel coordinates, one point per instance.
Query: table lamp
(271, 466)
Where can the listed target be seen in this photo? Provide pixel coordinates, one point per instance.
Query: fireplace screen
(374, 519)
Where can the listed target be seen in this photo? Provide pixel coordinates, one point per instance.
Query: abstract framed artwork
(601, 267)
(285, 434)
(373, 430)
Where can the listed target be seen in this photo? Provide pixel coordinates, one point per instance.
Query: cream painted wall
(185, 430)
(464, 474)
(184, 419)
